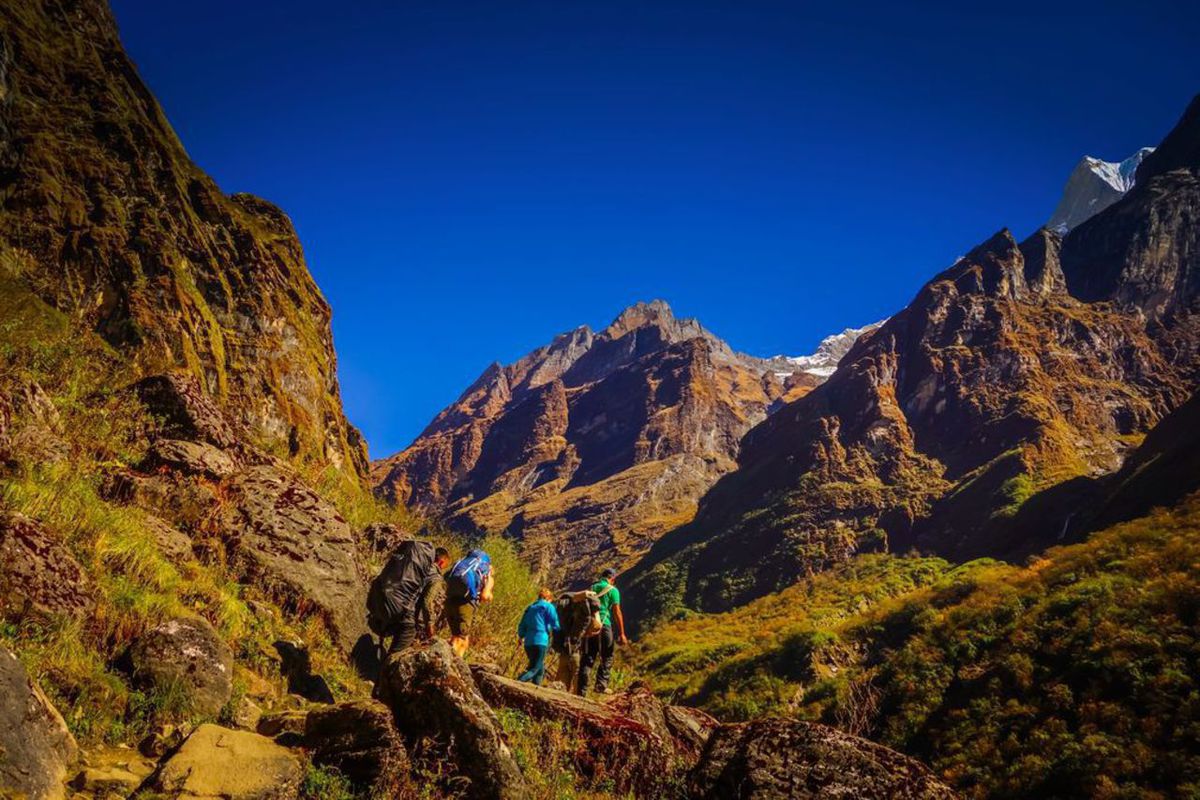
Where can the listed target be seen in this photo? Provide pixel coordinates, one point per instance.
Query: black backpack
(394, 594)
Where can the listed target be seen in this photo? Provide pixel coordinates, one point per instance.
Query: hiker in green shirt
(602, 646)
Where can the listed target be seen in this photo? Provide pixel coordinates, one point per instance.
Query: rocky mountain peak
(1093, 186)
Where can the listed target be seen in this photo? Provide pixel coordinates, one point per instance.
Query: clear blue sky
(470, 178)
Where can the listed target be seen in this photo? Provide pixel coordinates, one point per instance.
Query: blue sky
(470, 178)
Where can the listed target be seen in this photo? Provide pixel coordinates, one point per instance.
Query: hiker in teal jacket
(537, 624)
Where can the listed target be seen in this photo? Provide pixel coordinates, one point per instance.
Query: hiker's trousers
(536, 653)
(404, 633)
(597, 649)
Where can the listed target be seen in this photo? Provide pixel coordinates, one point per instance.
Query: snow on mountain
(822, 362)
(1093, 186)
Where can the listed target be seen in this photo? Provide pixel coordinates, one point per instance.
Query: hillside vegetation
(1077, 675)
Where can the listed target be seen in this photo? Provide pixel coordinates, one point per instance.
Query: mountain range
(969, 532)
(588, 449)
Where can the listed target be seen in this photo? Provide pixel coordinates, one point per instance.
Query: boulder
(611, 748)
(219, 763)
(685, 729)
(38, 574)
(184, 501)
(186, 410)
(289, 542)
(173, 543)
(187, 653)
(359, 739)
(193, 458)
(112, 772)
(246, 714)
(285, 727)
(436, 705)
(778, 758)
(36, 749)
(690, 728)
(381, 538)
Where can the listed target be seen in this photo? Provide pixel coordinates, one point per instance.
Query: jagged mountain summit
(966, 424)
(822, 362)
(590, 448)
(1093, 186)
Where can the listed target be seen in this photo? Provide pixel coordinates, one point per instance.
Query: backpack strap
(607, 589)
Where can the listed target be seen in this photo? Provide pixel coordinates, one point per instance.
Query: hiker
(579, 617)
(402, 593)
(468, 584)
(602, 647)
(538, 623)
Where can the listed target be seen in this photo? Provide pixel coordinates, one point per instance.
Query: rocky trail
(436, 724)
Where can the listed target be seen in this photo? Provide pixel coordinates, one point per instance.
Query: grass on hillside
(1077, 675)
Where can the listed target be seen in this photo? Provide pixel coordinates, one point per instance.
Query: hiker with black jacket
(406, 592)
(601, 648)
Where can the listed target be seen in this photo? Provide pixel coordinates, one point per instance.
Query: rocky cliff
(591, 447)
(1018, 369)
(107, 219)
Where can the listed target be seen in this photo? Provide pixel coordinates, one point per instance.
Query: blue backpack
(465, 580)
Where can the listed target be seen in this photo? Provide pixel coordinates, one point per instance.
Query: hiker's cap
(609, 573)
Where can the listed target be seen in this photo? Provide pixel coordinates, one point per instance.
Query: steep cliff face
(993, 387)
(112, 223)
(590, 448)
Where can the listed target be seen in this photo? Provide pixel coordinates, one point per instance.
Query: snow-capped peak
(823, 362)
(1094, 185)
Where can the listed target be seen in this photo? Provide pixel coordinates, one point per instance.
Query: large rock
(432, 697)
(185, 409)
(36, 749)
(359, 739)
(781, 759)
(112, 772)
(216, 763)
(285, 539)
(686, 729)
(194, 458)
(38, 575)
(632, 755)
(185, 653)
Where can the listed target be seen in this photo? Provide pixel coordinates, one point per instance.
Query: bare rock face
(284, 538)
(633, 754)
(123, 231)
(36, 749)
(186, 653)
(186, 410)
(433, 697)
(359, 740)
(592, 447)
(38, 574)
(217, 763)
(191, 458)
(775, 759)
